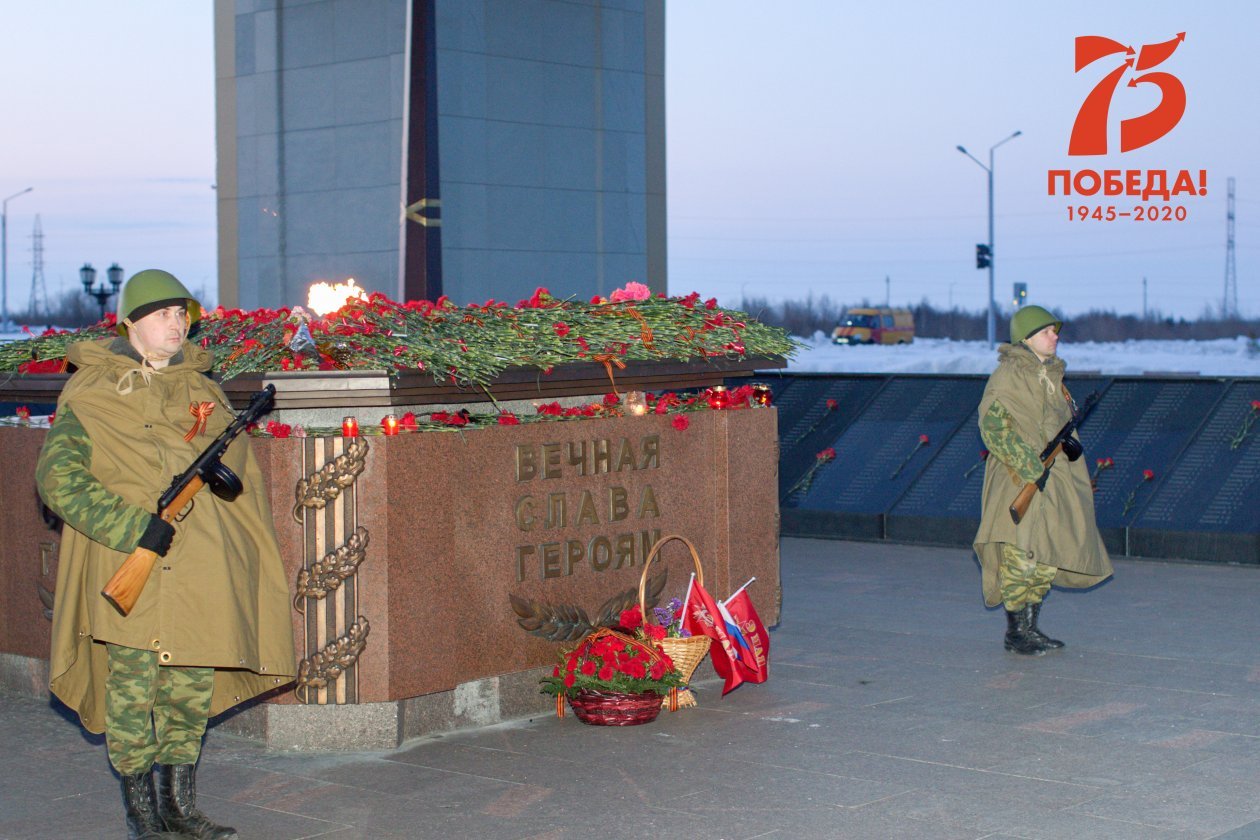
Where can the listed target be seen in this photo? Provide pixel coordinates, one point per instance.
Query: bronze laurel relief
(328, 574)
(320, 670)
(569, 622)
(327, 592)
(46, 598)
(325, 485)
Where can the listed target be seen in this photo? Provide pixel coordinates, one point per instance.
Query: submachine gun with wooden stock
(1064, 443)
(124, 588)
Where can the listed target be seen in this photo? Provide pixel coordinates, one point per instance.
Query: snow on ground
(1221, 357)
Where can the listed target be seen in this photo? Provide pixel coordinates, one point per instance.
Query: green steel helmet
(150, 290)
(1029, 320)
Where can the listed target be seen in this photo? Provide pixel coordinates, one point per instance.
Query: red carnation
(631, 619)
(278, 430)
(507, 418)
(42, 366)
(561, 328)
(654, 631)
(588, 667)
(681, 422)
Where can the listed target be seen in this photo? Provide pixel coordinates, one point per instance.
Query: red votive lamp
(389, 423)
(761, 393)
(349, 427)
(718, 397)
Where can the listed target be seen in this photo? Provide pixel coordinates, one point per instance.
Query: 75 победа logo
(1089, 133)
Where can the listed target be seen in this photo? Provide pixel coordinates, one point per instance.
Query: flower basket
(607, 676)
(614, 708)
(689, 652)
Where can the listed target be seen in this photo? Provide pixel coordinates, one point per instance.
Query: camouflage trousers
(1022, 579)
(153, 714)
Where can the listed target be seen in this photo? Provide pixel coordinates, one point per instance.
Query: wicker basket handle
(695, 558)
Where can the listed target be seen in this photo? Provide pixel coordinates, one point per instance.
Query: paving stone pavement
(892, 712)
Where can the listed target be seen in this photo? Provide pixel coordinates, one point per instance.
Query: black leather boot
(1049, 643)
(143, 822)
(177, 804)
(1019, 639)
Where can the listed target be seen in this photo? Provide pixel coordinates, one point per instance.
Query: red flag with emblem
(702, 618)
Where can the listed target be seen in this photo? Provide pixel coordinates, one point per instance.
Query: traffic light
(983, 256)
(1019, 295)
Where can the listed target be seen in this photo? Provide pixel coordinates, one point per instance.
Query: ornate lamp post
(102, 293)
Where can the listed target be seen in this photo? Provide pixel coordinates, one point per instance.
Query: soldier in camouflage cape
(212, 627)
(1057, 542)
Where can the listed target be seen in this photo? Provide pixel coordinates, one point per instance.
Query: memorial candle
(349, 427)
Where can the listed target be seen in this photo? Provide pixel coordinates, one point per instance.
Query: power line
(38, 306)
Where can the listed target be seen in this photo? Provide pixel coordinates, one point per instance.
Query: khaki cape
(1059, 529)
(219, 598)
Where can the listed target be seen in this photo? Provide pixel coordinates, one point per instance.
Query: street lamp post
(4, 256)
(992, 251)
(102, 293)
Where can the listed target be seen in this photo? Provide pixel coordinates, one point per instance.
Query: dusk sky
(811, 148)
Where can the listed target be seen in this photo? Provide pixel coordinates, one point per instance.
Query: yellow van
(877, 325)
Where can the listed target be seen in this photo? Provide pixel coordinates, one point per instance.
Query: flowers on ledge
(469, 345)
(22, 416)
(611, 405)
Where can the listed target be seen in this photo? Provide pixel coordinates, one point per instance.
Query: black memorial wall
(1202, 501)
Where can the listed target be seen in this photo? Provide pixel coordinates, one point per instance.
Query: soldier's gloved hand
(157, 536)
(1072, 448)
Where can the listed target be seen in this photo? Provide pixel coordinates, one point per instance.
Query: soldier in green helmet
(1057, 543)
(211, 628)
